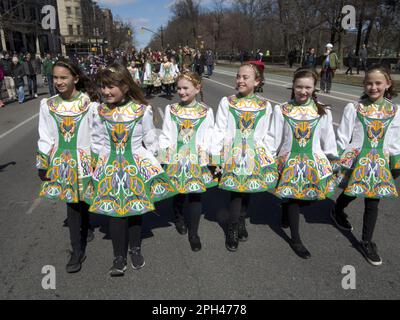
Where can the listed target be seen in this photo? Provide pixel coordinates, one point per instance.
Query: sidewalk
(340, 76)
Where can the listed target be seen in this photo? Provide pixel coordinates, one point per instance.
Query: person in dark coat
(18, 73)
(310, 60)
(350, 61)
(199, 63)
(29, 68)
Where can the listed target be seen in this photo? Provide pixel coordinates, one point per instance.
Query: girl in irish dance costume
(303, 140)
(148, 76)
(369, 143)
(64, 154)
(167, 75)
(240, 144)
(134, 71)
(184, 143)
(128, 179)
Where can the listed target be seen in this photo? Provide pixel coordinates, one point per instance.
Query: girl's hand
(42, 175)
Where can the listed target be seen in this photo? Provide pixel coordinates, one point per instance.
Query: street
(265, 267)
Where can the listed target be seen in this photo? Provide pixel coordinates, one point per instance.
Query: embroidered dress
(239, 145)
(303, 142)
(184, 143)
(167, 73)
(135, 74)
(128, 179)
(369, 144)
(148, 75)
(64, 147)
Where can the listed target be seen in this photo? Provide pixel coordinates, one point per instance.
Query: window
(69, 11)
(78, 29)
(70, 30)
(78, 11)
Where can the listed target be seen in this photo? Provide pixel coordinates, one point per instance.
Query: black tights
(291, 209)
(370, 213)
(125, 231)
(78, 224)
(149, 90)
(238, 206)
(194, 210)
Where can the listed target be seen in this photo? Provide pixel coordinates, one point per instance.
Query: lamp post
(161, 35)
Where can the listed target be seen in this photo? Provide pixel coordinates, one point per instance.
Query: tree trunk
(360, 25)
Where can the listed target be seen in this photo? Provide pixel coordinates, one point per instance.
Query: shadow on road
(262, 209)
(4, 166)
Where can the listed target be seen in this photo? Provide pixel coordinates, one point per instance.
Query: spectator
(1, 80)
(8, 80)
(329, 66)
(31, 75)
(199, 63)
(18, 73)
(350, 61)
(259, 55)
(310, 59)
(48, 73)
(292, 57)
(210, 62)
(362, 59)
(187, 58)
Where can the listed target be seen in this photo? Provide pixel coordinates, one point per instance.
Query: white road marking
(18, 125)
(34, 205)
(276, 102)
(286, 85)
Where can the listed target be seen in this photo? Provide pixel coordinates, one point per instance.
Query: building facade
(21, 27)
(81, 26)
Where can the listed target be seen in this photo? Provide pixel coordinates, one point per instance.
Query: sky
(151, 14)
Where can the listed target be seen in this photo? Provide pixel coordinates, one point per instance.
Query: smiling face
(303, 89)
(187, 91)
(375, 85)
(64, 81)
(246, 80)
(113, 94)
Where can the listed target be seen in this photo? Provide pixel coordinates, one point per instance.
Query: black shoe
(180, 224)
(75, 262)
(195, 243)
(90, 235)
(232, 237)
(300, 250)
(370, 252)
(119, 267)
(243, 235)
(137, 260)
(340, 221)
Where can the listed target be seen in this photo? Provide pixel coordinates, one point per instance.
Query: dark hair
(84, 84)
(389, 93)
(119, 76)
(308, 73)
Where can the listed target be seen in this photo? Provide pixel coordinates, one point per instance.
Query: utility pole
(161, 35)
(162, 38)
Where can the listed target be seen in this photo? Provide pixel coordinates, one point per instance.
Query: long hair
(389, 93)
(117, 75)
(84, 84)
(308, 73)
